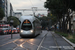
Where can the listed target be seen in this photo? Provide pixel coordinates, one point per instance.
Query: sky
(28, 4)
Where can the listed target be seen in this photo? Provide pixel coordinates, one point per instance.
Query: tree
(16, 20)
(1, 13)
(57, 8)
(70, 4)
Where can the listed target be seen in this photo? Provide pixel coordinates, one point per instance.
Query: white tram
(30, 26)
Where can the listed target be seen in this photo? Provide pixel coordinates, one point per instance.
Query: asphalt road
(47, 40)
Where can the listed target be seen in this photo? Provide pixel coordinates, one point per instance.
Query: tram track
(40, 45)
(6, 37)
(27, 41)
(8, 43)
(3, 37)
(55, 41)
(20, 45)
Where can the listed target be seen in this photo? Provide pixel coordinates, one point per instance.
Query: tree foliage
(16, 20)
(57, 7)
(70, 4)
(1, 13)
(60, 6)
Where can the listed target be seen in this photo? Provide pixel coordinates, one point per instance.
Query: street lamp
(11, 24)
(34, 9)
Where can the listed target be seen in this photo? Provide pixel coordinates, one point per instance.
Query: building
(11, 10)
(73, 22)
(18, 14)
(7, 7)
(4, 7)
(2, 4)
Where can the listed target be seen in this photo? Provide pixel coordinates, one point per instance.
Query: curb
(72, 44)
(69, 41)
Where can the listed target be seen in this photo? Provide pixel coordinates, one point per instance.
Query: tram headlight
(31, 31)
(21, 30)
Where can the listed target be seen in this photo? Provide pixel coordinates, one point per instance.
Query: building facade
(73, 22)
(11, 10)
(7, 7)
(18, 14)
(2, 4)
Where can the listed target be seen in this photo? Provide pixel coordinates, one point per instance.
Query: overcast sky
(27, 4)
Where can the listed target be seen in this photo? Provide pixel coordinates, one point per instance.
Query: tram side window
(34, 24)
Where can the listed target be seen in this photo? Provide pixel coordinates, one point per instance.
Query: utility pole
(11, 23)
(34, 9)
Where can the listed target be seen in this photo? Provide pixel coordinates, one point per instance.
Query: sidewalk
(72, 44)
(69, 41)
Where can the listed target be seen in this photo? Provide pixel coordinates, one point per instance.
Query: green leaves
(16, 21)
(70, 4)
(57, 8)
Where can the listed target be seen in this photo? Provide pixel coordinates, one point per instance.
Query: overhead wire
(31, 3)
(41, 1)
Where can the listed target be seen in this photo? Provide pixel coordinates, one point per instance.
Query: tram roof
(31, 18)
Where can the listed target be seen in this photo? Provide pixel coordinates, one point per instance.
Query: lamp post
(11, 24)
(34, 9)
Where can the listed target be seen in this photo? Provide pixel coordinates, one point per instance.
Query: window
(26, 25)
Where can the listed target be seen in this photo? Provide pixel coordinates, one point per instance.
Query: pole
(34, 14)
(11, 32)
(34, 9)
(11, 23)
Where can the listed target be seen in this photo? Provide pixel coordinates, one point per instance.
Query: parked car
(14, 30)
(4, 28)
(9, 30)
(18, 29)
(3, 31)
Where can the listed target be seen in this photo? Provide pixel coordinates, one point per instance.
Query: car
(14, 30)
(18, 30)
(3, 31)
(9, 31)
(4, 28)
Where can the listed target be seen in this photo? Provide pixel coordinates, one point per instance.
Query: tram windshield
(26, 25)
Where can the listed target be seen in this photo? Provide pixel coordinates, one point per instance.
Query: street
(47, 40)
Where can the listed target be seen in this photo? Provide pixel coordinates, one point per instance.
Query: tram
(30, 26)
